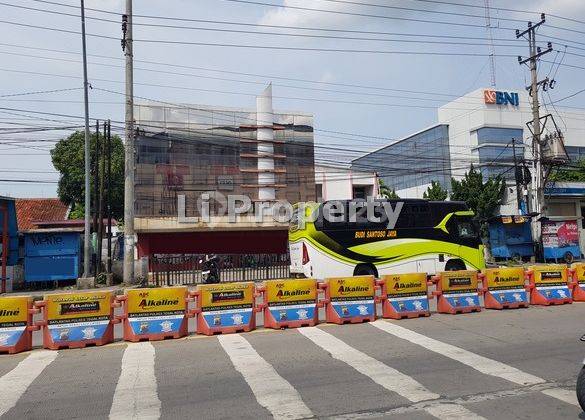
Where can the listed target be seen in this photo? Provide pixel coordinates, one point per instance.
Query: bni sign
(501, 98)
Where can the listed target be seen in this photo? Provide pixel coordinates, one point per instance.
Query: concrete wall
(337, 183)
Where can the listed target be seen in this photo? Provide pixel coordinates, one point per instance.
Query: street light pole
(86, 253)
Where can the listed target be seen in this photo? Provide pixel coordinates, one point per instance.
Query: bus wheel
(365, 270)
(455, 265)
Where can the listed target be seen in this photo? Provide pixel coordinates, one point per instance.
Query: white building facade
(482, 128)
(339, 183)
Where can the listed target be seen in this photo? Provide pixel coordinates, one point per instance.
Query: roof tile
(31, 210)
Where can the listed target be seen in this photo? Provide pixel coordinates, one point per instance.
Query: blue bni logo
(501, 98)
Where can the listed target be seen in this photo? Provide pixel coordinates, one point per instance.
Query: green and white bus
(426, 236)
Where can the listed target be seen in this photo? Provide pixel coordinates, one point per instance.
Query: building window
(359, 192)
(319, 192)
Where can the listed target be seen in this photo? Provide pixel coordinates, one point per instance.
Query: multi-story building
(485, 128)
(335, 182)
(193, 158)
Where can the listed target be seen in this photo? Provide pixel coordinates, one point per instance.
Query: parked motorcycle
(581, 384)
(210, 269)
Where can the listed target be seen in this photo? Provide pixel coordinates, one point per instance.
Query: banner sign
(228, 304)
(507, 285)
(579, 274)
(13, 319)
(460, 288)
(407, 292)
(352, 296)
(156, 311)
(560, 234)
(551, 281)
(291, 300)
(78, 316)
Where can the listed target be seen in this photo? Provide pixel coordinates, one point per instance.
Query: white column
(265, 137)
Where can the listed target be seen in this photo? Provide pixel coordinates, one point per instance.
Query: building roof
(31, 211)
(74, 223)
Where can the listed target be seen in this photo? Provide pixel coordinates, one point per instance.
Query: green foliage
(435, 192)
(483, 198)
(576, 174)
(68, 159)
(386, 192)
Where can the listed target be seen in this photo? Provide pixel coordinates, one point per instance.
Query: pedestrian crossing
(313, 372)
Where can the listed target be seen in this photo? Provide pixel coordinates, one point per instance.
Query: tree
(483, 198)
(386, 192)
(574, 174)
(435, 192)
(68, 159)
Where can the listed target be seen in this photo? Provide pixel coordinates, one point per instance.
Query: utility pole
(109, 199)
(517, 178)
(537, 187)
(86, 253)
(96, 177)
(101, 179)
(129, 236)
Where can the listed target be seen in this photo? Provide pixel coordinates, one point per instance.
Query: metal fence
(167, 270)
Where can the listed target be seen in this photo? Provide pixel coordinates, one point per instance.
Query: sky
(397, 94)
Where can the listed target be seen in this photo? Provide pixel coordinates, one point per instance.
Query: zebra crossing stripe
(566, 395)
(271, 390)
(136, 395)
(475, 361)
(386, 376)
(15, 383)
(480, 363)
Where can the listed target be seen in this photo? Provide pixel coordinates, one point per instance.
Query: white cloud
(295, 17)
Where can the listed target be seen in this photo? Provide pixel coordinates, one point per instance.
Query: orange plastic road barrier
(77, 320)
(349, 299)
(155, 314)
(404, 295)
(16, 325)
(225, 308)
(578, 282)
(290, 303)
(457, 292)
(549, 285)
(504, 288)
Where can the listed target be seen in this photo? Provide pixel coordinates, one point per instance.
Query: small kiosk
(560, 239)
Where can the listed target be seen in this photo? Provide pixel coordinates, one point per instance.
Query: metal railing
(184, 269)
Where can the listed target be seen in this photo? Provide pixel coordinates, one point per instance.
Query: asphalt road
(494, 364)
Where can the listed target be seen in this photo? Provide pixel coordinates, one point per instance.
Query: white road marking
(136, 395)
(480, 363)
(566, 395)
(386, 376)
(477, 362)
(271, 390)
(15, 383)
(468, 399)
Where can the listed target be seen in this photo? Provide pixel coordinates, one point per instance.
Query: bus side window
(406, 219)
(465, 230)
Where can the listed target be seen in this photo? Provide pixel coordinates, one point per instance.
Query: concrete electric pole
(129, 236)
(537, 187)
(86, 246)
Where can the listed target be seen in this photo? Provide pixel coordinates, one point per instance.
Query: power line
(261, 47)
(367, 15)
(412, 9)
(38, 92)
